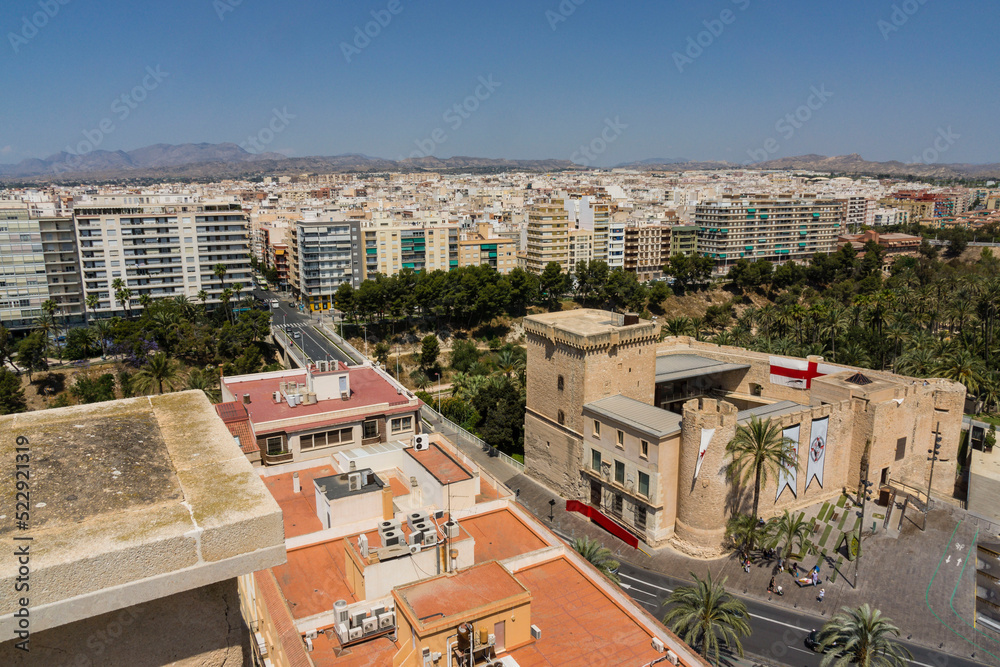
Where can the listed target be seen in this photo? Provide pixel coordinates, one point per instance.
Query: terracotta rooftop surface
(399, 487)
(500, 535)
(295, 651)
(486, 492)
(367, 388)
(378, 651)
(580, 624)
(313, 578)
(439, 464)
(298, 509)
(455, 594)
(242, 433)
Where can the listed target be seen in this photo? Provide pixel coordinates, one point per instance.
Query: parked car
(812, 642)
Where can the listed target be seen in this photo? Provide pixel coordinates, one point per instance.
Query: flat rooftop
(500, 535)
(134, 500)
(648, 419)
(314, 578)
(673, 367)
(580, 624)
(367, 388)
(339, 486)
(587, 327)
(298, 509)
(440, 464)
(433, 600)
(772, 411)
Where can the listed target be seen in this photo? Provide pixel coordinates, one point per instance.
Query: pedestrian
(770, 586)
(781, 564)
(822, 592)
(780, 591)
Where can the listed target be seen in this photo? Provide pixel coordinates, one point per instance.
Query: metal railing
(459, 433)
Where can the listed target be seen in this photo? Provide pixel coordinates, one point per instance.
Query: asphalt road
(778, 633)
(316, 346)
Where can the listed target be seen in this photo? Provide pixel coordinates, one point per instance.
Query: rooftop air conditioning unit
(416, 537)
(536, 632)
(414, 518)
(276, 396)
(390, 538)
(421, 442)
(356, 633)
(370, 625)
(439, 514)
(414, 548)
(421, 526)
(343, 633)
(312, 634)
(354, 481)
(309, 644)
(657, 645)
(451, 529)
(340, 610)
(358, 617)
(389, 525)
(430, 538)
(672, 658)
(386, 620)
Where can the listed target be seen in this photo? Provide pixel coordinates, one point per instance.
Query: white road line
(633, 589)
(771, 620)
(645, 583)
(802, 650)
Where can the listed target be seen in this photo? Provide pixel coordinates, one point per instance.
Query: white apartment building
(161, 246)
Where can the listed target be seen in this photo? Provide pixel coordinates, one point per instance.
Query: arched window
(559, 383)
(561, 417)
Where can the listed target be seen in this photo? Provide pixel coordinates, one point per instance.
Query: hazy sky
(701, 80)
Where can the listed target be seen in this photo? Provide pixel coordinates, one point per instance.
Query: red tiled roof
(241, 430)
(231, 411)
(290, 638)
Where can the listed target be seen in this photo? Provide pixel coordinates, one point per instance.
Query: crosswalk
(294, 325)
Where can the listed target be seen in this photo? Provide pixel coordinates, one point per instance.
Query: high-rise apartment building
(485, 248)
(779, 229)
(548, 236)
(390, 248)
(23, 284)
(858, 212)
(161, 246)
(616, 245)
(324, 255)
(644, 249)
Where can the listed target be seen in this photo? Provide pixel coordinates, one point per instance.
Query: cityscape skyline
(528, 81)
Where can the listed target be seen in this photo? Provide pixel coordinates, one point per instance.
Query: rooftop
(298, 509)
(441, 465)
(339, 486)
(314, 578)
(771, 411)
(649, 419)
(580, 623)
(672, 367)
(457, 594)
(589, 327)
(138, 490)
(500, 535)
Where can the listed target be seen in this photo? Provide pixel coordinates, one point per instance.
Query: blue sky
(562, 73)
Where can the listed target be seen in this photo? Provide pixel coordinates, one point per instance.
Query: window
(275, 445)
(371, 429)
(597, 429)
(561, 416)
(616, 507)
(643, 484)
(900, 449)
(559, 383)
(620, 472)
(595, 460)
(335, 437)
(401, 424)
(644, 449)
(621, 439)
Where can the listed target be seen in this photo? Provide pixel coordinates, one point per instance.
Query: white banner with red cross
(798, 373)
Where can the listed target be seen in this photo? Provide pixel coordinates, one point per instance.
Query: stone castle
(638, 428)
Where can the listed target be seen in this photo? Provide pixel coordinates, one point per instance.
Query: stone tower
(576, 357)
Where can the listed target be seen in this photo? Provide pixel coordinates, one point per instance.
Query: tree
(787, 530)
(93, 301)
(500, 403)
(8, 348)
(11, 393)
(863, 637)
(759, 450)
(382, 352)
(88, 389)
(553, 283)
(429, 351)
(206, 381)
(508, 361)
(160, 370)
(32, 353)
(704, 614)
(599, 556)
(743, 531)
(220, 272)
(464, 354)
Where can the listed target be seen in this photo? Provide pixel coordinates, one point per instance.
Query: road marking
(771, 620)
(646, 583)
(801, 650)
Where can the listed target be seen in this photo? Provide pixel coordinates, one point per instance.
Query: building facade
(547, 236)
(23, 283)
(324, 255)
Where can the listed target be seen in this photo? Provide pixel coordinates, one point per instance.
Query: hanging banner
(798, 373)
(789, 479)
(706, 437)
(817, 451)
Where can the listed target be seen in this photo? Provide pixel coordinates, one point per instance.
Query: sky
(598, 82)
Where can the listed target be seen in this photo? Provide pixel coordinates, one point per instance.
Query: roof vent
(859, 379)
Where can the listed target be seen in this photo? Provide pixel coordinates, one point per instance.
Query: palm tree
(759, 450)
(226, 295)
(864, 637)
(705, 613)
(599, 556)
(964, 367)
(679, 326)
(203, 297)
(220, 272)
(786, 530)
(207, 381)
(237, 288)
(508, 362)
(103, 330)
(93, 301)
(159, 371)
(743, 530)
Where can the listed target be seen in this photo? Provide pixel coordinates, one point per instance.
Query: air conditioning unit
(423, 526)
(276, 396)
(312, 634)
(536, 632)
(390, 538)
(309, 644)
(414, 518)
(451, 529)
(416, 537)
(439, 515)
(672, 658)
(358, 617)
(386, 620)
(343, 633)
(370, 625)
(340, 612)
(491, 640)
(261, 644)
(421, 442)
(354, 481)
(387, 526)
(414, 548)
(657, 645)
(430, 538)
(356, 633)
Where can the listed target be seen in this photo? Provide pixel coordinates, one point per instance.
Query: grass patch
(989, 419)
(518, 457)
(823, 511)
(826, 535)
(843, 520)
(842, 501)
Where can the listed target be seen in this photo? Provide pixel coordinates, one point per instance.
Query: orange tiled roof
(291, 640)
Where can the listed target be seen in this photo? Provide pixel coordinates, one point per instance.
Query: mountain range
(206, 161)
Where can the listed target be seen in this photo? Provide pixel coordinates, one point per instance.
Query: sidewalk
(921, 580)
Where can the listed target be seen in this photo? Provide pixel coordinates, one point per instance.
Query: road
(287, 317)
(778, 633)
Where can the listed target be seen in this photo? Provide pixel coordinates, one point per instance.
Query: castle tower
(576, 357)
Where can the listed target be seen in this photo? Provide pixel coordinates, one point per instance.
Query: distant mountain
(654, 161)
(227, 160)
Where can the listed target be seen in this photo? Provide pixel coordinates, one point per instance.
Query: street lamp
(932, 458)
(439, 392)
(866, 495)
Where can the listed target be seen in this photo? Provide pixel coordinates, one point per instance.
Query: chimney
(246, 398)
(296, 486)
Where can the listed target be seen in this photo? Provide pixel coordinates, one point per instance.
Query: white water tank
(340, 611)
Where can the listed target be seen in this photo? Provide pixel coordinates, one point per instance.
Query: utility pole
(932, 458)
(866, 495)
